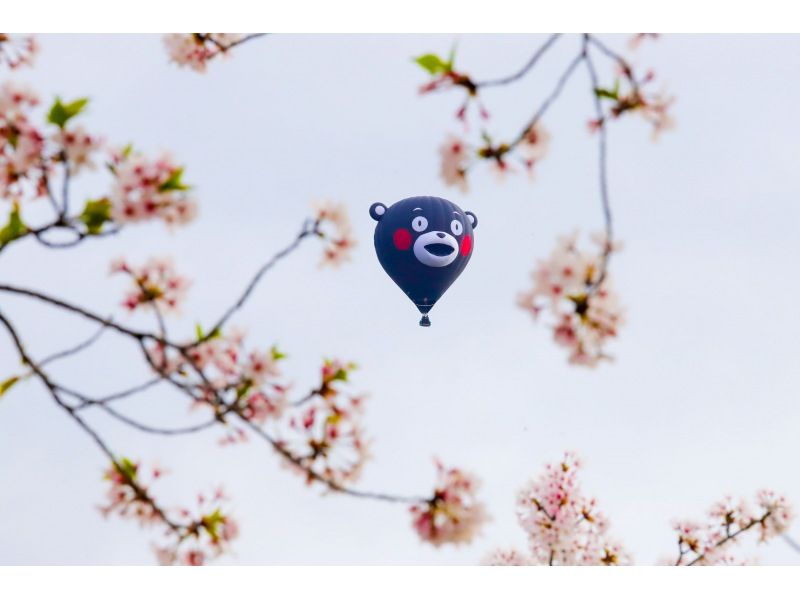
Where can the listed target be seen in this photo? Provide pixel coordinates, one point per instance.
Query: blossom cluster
(193, 536)
(28, 154)
(146, 189)
(17, 50)
(21, 144)
(219, 364)
(629, 93)
(456, 157)
(195, 50)
(632, 96)
(323, 434)
(156, 283)
(206, 532)
(127, 494)
(585, 311)
(333, 226)
(710, 543)
(564, 527)
(31, 156)
(453, 514)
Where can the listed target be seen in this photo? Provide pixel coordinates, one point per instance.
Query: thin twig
(53, 390)
(730, 536)
(562, 80)
(286, 454)
(76, 348)
(308, 229)
(528, 66)
(603, 168)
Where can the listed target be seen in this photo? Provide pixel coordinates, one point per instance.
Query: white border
(402, 582)
(425, 16)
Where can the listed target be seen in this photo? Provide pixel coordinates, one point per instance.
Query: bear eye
(419, 224)
(456, 227)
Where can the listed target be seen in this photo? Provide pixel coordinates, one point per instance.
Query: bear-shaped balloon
(423, 243)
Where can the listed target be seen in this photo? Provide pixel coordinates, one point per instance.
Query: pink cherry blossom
(507, 557)
(534, 146)
(194, 50)
(564, 526)
(333, 226)
(454, 162)
(326, 438)
(17, 50)
(78, 145)
(147, 189)
(155, 283)
(22, 145)
(584, 311)
(453, 514)
(711, 542)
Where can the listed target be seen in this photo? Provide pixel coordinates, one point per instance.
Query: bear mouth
(439, 249)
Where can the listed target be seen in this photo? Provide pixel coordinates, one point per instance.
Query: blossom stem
(602, 157)
(730, 536)
(524, 70)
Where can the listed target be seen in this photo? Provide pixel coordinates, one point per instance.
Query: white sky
(700, 402)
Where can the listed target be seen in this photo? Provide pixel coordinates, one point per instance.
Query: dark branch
(524, 70)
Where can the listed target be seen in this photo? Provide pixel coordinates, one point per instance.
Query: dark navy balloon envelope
(423, 243)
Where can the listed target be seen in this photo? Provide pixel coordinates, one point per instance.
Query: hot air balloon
(423, 243)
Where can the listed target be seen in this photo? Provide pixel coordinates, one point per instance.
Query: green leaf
(14, 229)
(211, 523)
(7, 384)
(611, 94)
(127, 468)
(276, 354)
(60, 113)
(243, 389)
(433, 64)
(199, 330)
(174, 183)
(95, 214)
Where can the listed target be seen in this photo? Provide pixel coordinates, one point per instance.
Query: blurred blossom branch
(565, 527)
(319, 436)
(195, 50)
(574, 327)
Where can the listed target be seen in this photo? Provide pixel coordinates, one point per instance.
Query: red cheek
(402, 239)
(466, 245)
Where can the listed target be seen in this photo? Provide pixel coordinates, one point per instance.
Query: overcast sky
(700, 402)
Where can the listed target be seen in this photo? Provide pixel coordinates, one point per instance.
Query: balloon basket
(425, 321)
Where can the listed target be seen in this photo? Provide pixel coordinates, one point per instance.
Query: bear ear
(377, 210)
(473, 219)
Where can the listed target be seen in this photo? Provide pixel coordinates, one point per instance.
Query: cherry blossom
(193, 536)
(510, 557)
(195, 50)
(453, 515)
(710, 543)
(333, 226)
(17, 50)
(78, 146)
(146, 189)
(636, 40)
(534, 145)
(324, 435)
(454, 162)
(564, 526)
(206, 532)
(126, 496)
(585, 312)
(155, 283)
(21, 144)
